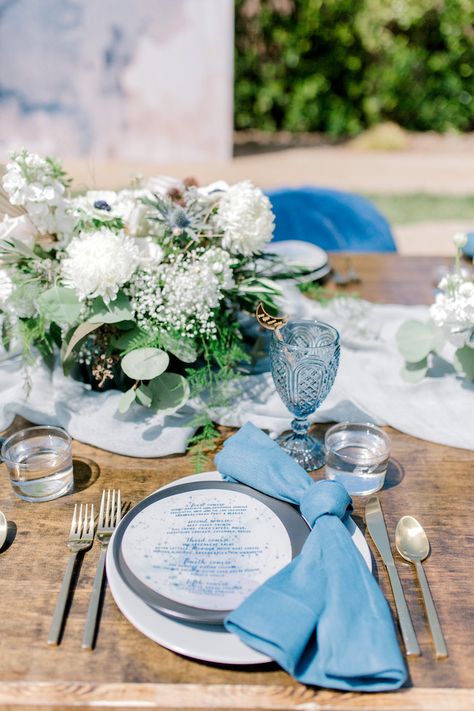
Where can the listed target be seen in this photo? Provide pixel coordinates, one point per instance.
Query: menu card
(207, 548)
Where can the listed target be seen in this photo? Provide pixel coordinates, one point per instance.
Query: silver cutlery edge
(81, 537)
(378, 531)
(109, 516)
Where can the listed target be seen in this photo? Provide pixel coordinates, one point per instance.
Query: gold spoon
(3, 529)
(413, 545)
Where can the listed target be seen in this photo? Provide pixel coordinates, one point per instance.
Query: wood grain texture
(127, 670)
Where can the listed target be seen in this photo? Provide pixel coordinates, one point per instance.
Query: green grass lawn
(420, 207)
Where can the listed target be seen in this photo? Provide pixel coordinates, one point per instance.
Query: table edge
(29, 694)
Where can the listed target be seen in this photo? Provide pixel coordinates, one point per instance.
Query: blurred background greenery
(339, 67)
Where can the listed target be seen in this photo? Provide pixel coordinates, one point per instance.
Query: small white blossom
(246, 218)
(460, 240)
(99, 263)
(453, 309)
(183, 294)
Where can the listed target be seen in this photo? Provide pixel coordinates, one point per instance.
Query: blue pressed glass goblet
(304, 365)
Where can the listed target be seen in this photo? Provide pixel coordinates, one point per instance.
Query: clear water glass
(357, 456)
(304, 365)
(39, 462)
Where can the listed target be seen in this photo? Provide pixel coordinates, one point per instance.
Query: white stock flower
(99, 263)
(20, 228)
(34, 183)
(246, 218)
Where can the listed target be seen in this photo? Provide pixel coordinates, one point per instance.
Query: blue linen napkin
(323, 617)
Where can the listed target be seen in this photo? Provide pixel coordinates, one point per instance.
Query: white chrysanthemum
(246, 218)
(453, 309)
(35, 183)
(99, 263)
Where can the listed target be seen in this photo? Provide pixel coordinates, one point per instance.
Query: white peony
(150, 254)
(246, 218)
(20, 228)
(99, 263)
(134, 212)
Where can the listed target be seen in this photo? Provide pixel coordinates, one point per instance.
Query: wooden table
(127, 670)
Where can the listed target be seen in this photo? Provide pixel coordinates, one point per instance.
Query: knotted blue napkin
(323, 617)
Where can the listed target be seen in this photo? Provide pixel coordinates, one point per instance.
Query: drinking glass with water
(357, 457)
(39, 462)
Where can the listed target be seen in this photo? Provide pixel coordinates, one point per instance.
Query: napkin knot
(324, 497)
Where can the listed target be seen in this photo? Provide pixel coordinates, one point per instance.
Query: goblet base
(306, 450)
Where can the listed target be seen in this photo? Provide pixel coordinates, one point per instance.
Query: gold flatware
(378, 531)
(3, 529)
(413, 545)
(109, 516)
(81, 536)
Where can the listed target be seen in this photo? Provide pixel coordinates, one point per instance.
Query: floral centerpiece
(451, 321)
(139, 289)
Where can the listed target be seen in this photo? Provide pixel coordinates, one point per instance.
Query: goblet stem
(300, 426)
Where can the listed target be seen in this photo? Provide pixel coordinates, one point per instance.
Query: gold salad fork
(81, 536)
(109, 516)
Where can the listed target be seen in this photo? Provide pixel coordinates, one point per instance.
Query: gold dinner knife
(378, 531)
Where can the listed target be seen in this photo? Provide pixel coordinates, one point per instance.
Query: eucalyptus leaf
(464, 361)
(182, 348)
(126, 400)
(59, 304)
(81, 332)
(144, 395)
(416, 339)
(170, 392)
(414, 372)
(113, 312)
(145, 363)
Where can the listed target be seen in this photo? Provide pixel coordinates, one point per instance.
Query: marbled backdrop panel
(146, 80)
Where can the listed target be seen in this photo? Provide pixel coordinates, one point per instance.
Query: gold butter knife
(378, 531)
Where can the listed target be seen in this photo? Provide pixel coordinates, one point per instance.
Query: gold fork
(109, 516)
(81, 536)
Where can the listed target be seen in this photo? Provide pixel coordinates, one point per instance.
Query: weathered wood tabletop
(127, 670)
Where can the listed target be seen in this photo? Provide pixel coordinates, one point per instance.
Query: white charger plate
(210, 643)
(304, 254)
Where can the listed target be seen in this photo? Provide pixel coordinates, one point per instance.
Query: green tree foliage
(340, 66)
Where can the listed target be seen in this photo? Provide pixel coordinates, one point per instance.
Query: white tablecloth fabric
(368, 387)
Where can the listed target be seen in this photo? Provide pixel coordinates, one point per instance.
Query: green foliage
(464, 361)
(113, 312)
(145, 363)
(203, 445)
(416, 339)
(59, 304)
(339, 66)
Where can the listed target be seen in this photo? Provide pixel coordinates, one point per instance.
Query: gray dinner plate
(296, 528)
